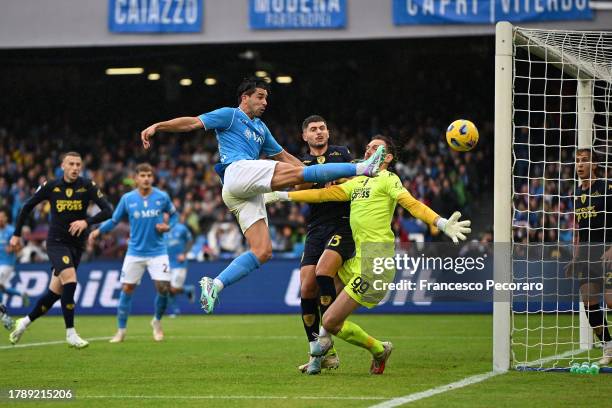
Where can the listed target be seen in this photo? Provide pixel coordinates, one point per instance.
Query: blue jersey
(177, 239)
(143, 214)
(239, 137)
(6, 258)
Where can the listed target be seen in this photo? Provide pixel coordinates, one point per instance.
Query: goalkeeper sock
(597, 320)
(161, 302)
(123, 311)
(354, 334)
(322, 173)
(68, 304)
(239, 268)
(43, 305)
(310, 318)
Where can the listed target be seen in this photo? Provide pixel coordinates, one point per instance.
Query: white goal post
(553, 95)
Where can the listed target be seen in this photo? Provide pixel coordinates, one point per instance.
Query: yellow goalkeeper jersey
(373, 201)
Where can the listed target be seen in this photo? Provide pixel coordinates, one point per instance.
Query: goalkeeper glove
(454, 228)
(276, 196)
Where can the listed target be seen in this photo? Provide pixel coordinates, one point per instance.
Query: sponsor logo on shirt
(146, 213)
(68, 205)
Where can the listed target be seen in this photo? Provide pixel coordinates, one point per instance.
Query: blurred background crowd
(73, 105)
(29, 155)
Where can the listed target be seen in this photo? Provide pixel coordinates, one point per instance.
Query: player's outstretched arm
(333, 193)
(177, 125)
(111, 223)
(452, 227)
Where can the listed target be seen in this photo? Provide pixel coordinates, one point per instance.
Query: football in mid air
(462, 135)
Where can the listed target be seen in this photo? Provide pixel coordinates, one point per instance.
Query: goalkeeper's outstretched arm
(452, 227)
(333, 193)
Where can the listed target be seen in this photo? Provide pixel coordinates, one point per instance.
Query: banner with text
(408, 12)
(155, 16)
(273, 288)
(297, 14)
(422, 278)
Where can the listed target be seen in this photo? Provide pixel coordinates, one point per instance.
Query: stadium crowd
(29, 155)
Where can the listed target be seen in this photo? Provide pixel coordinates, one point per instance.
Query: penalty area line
(463, 383)
(434, 391)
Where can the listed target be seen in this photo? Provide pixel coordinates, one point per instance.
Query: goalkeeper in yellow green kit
(373, 202)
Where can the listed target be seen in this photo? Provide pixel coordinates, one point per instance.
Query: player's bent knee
(162, 287)
(263, 254)
(68, 275)
(309, 290)
(331, 323)
(128, 288)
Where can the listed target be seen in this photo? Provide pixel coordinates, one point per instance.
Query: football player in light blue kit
(179, 241)
(242, 138)
(145, 208)
(7, 266)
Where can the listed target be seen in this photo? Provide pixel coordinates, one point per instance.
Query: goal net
(553, 98)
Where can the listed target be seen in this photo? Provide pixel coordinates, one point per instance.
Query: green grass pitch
(251, 360)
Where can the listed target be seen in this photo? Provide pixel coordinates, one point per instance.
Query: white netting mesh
(562, 100)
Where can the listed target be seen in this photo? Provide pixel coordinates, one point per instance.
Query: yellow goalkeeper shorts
(367, 289)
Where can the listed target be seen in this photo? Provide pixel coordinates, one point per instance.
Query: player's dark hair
(144, 168)
(248, 86)
(312, 118)
(389, 144)
(6, 211)
(70, 154)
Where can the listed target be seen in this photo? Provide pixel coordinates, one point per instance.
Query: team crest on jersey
(68, 192)
(583, 198)
(65, 259)
(321, 159)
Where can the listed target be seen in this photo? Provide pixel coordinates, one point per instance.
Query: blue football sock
(123, 310)
(322, 173)
(12, 292)
(239, 268)
(161, 302)
(171, 302)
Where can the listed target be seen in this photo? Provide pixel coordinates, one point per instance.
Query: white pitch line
(434, 391)
(47, 343)
(203, 337)
(229, 397)
(464, 383)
